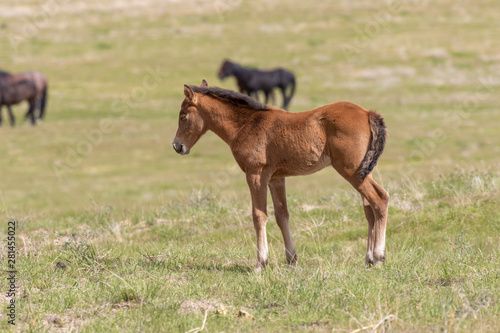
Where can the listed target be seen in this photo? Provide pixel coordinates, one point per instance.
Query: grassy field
(117, 233)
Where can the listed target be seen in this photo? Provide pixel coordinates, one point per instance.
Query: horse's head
(226, 69)
(191, 123)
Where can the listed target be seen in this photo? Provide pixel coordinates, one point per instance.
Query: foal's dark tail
(379, 136)
(43, 101)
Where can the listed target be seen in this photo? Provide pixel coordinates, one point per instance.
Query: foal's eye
(183, 116)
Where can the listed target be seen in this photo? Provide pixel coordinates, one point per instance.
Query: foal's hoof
(374, 261)
(258, 268)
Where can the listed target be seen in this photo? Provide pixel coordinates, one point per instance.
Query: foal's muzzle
(179, 147)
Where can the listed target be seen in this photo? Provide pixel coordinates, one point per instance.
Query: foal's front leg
(278, 193)
(258, 190)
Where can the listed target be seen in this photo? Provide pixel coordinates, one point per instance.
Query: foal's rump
(339, 134)
(342, 134)
(356, 138)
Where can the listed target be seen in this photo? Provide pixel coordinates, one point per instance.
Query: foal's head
(191, 124)
(226, 69)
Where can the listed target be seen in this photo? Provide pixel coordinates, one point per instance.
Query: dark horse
(41, 84)
(270, 144)
(252, 80)
(14, 90)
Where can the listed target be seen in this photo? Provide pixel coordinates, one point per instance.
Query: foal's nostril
(177, 147)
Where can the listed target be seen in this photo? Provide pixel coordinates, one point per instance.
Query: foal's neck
(224, 118)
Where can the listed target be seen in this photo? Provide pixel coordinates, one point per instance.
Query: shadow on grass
(215, 267)
(175, 263)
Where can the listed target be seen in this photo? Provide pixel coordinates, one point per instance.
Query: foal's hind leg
(370, 217)
(278, 193)
(375, 204)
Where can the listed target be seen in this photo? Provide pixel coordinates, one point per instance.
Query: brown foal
(270, 144)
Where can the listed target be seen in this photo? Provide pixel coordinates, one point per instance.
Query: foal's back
(305, 142)
(329, 120)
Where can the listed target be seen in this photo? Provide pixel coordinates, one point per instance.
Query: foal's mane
(232, 97)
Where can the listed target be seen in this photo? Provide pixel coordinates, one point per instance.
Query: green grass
(163, 268)
(155, 242)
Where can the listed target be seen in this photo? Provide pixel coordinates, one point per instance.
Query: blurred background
(116, 71)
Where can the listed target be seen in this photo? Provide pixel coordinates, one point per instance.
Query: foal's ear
(204, 84)
(189, 93)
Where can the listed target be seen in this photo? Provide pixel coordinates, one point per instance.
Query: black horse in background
(252, 80)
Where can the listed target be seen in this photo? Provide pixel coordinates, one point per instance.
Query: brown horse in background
(270, 144)
(14, 90)
(41, 85)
